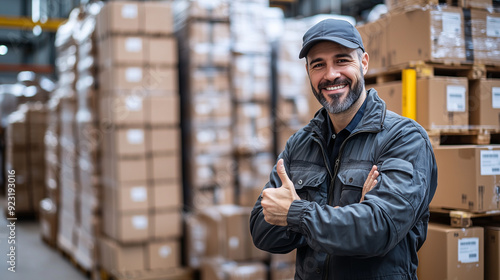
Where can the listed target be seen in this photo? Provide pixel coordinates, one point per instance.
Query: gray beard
(335, 106)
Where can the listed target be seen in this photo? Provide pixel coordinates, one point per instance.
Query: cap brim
(343, 42)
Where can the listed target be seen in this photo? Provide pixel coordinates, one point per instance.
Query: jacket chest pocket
(308, 183)
(352, 185)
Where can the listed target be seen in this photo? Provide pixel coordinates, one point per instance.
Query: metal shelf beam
(27, 23)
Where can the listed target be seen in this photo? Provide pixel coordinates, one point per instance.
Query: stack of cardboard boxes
(204, 42)
(140, 156)
(455, 52)
(25, 160)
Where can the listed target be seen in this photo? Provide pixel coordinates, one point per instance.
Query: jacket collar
(372, 120)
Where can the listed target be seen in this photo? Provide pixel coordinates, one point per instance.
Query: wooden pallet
(462, 135)
(87, 273)
(424, 69)
(174, 273)
(463, 219)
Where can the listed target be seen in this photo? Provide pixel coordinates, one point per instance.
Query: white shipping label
(452, 23)
(492, 26)
(468, 250)
(138, 194)
(164, 251)
(455, 98)
(133, 103)
(490, 162)
(135, 136)
(133, 74)
(495, 97)
(140, 222)
(129, 11)
(133, 44)
(234, 242)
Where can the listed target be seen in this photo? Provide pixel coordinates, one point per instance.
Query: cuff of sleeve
(295, 213)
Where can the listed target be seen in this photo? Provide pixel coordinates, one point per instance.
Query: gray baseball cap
(338, 31)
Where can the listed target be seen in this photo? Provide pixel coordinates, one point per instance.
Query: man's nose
(332, 73)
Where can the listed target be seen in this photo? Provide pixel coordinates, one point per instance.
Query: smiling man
(351, 190)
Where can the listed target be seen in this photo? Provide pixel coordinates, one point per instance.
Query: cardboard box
(485, 35)
(86, 249)
(116, 171)
(166, 224)
(253, 128)
(374, 36)
(127, 227)
(467, 177)
(164, 167)
(439, 38)
(122, 109)
(163, 254)
(162, 110)
(120, 18)
(492, 253)
(162, 51)
(128, 197)
(162, 78)
(129, 78)
(391, 93)
(208, 81)
(158, 18)
(121, 258)
(122, 143)
(442, 102)
(163, 140)
(452, 253)
(484, 102)
(166, 195)
(209, 108)
(123, 50)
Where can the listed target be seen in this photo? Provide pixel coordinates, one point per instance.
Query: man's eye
(317, 65)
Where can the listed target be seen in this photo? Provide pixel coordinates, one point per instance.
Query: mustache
(338, 81)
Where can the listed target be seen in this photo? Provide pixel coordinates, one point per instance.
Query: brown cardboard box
(131, 78)
(166, 195)
(253, 131)
(122, 109)
(162, 51)
(86, 246)
(162, 78)
(485, 36)
(442, 102)
(128, 197)
(163, 254)
(374, 36)
(117, 171)
(164, 167)
(121, 258)
(484, 102)
(123, 50)
(210, 138)
(127, 227)
(162, 110)
(167, 224)
(467, 177)
(120, 18)
(163, 140)
(452, 253)
(211, 107)
(158, 18)
(391, 93)
(203, 80)
(439, 38)
(125, 142)
(492, 253)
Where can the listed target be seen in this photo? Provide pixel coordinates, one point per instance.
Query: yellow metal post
(409, 92)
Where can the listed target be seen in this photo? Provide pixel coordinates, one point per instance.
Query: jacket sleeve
(407, 182)
(271, 238)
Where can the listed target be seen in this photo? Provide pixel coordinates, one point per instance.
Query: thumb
(280, 168)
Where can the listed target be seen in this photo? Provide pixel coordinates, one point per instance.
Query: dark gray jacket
(375, 239)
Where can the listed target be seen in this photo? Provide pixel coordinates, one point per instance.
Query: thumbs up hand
(276, 201)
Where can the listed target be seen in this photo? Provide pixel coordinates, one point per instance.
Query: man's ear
(364, 62)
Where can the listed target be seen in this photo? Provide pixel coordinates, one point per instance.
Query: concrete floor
(34, 259)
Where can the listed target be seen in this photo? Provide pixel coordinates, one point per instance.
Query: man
(314, 201)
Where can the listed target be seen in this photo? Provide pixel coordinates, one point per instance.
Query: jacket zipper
(330, 191)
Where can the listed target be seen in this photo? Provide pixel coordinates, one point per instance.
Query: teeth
(336, 87)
